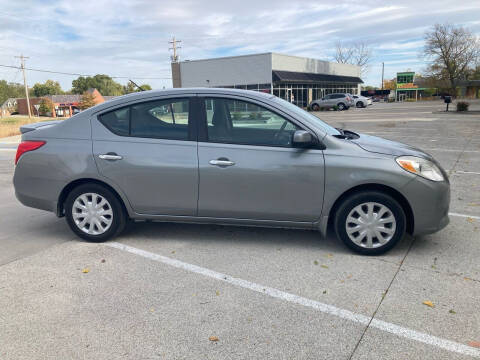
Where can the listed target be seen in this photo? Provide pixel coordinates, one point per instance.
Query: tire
(360, 104)
(351, 207)
(341, 106)
(315, 107)
(112, 215)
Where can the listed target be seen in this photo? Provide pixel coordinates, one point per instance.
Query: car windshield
(330, 130)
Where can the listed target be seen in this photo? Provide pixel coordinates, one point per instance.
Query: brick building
(63, 105)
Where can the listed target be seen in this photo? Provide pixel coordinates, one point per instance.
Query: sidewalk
(11, 139)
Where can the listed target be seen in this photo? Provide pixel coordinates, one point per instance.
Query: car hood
(383, 146)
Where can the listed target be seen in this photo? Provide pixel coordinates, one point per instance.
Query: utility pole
(174, 47)
(383, 70)
(22, 59)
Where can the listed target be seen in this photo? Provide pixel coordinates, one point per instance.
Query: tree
(130, 88)
(359, 54)
(390, 84)
(103, 83)
(10, 90)
(87, 101)
(46, 106)
(50, 87)
(452, 52)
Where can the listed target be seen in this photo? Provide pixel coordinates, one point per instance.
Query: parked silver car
(228, 157)
(361, 101)
(341, 101)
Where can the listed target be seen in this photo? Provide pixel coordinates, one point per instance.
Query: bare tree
(359, 54)
(452, 52)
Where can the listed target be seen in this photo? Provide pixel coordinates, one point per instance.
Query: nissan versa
(227, 157)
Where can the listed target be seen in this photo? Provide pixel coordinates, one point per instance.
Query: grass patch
(10, 125)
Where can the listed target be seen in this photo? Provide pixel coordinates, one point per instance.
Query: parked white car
(361, 101)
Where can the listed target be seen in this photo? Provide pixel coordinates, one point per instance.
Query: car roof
(145, 95)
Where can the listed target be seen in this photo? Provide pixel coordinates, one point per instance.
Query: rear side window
(117, 121)
(164, 119)
(161, 119)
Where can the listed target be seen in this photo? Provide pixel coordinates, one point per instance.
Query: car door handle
(221, 162)
(110, 156)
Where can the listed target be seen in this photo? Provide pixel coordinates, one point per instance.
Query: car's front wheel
(94, 213)
(341, 106)
(370, 222)
(315, 107)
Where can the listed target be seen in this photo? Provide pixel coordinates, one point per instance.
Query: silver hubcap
(370, 225)
(92, 213)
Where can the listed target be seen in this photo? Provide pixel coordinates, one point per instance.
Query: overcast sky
(130, 37)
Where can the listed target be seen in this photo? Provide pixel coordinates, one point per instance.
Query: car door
(149, 150)
(326, 100)
(249, 169)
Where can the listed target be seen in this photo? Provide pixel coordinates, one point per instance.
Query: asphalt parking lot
(177, 291)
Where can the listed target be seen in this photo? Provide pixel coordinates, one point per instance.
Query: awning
(310, 78)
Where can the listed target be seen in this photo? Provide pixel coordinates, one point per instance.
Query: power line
(85, 75)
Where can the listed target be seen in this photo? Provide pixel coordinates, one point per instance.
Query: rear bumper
(36, 202)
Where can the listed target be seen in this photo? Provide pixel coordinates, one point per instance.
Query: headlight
(420, 166)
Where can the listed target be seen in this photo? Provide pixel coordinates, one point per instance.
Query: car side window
(240, 122)
(117, 121)
(161, 119)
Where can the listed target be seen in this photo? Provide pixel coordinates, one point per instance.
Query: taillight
(26, 146)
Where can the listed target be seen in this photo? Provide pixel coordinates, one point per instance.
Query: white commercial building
(296, 79)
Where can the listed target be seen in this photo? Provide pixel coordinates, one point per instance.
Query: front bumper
(430, 202)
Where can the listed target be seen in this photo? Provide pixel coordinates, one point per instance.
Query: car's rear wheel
(370, 222)
(341, 106)
(360, 104)
(94, 213)
(315, 107)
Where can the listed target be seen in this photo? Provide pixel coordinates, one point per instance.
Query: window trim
(203, 123)
(191, 126)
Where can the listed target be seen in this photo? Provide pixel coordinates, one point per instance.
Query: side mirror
(302, 138)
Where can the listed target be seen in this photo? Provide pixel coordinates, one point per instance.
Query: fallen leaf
(324, 291)
(428, 303)
(217, 293)
(467, 278)
(213, 338)
(173, 252)
(102, 261)
(315, 262)
(329, 256)
(474, 344)
(349, 276)
(451, 311)
(86, 270)
(152, 309)
(324, 266)
(469, 219)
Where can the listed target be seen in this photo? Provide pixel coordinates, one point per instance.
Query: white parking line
(464, 215)
(466, 172)
(324, 308)
(8, 149)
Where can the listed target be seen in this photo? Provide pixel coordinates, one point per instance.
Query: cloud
(130, 38)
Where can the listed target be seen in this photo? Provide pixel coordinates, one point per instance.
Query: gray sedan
(227, 157)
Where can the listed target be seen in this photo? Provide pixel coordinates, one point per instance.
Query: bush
(462, 106)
